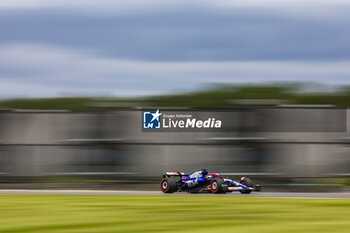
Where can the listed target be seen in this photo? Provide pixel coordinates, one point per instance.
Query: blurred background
(75, 76)
(287, 140)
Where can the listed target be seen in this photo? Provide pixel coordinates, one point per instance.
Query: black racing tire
(216, 185)
(247, 182)
(168, 185)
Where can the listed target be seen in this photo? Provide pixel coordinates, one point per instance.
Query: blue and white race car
(202, 181)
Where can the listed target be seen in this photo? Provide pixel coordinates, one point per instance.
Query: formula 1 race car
(201, 181)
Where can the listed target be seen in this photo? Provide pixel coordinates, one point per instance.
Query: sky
(134, 48)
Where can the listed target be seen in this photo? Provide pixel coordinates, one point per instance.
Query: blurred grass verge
(217, 213)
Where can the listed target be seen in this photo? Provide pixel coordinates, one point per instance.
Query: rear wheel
(216, 185)
(168, 185)
(247, 182)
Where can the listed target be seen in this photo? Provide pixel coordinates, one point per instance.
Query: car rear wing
(167, 174)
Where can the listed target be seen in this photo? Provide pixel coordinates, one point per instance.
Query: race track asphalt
(119, 192)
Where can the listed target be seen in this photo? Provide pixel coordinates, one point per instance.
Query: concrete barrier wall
(40, 144)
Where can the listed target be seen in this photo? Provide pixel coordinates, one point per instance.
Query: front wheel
(168, 185)
(247, 182)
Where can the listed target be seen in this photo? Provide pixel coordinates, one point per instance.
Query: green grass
(217, 213)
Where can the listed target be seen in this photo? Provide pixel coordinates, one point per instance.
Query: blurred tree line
(216, 96)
